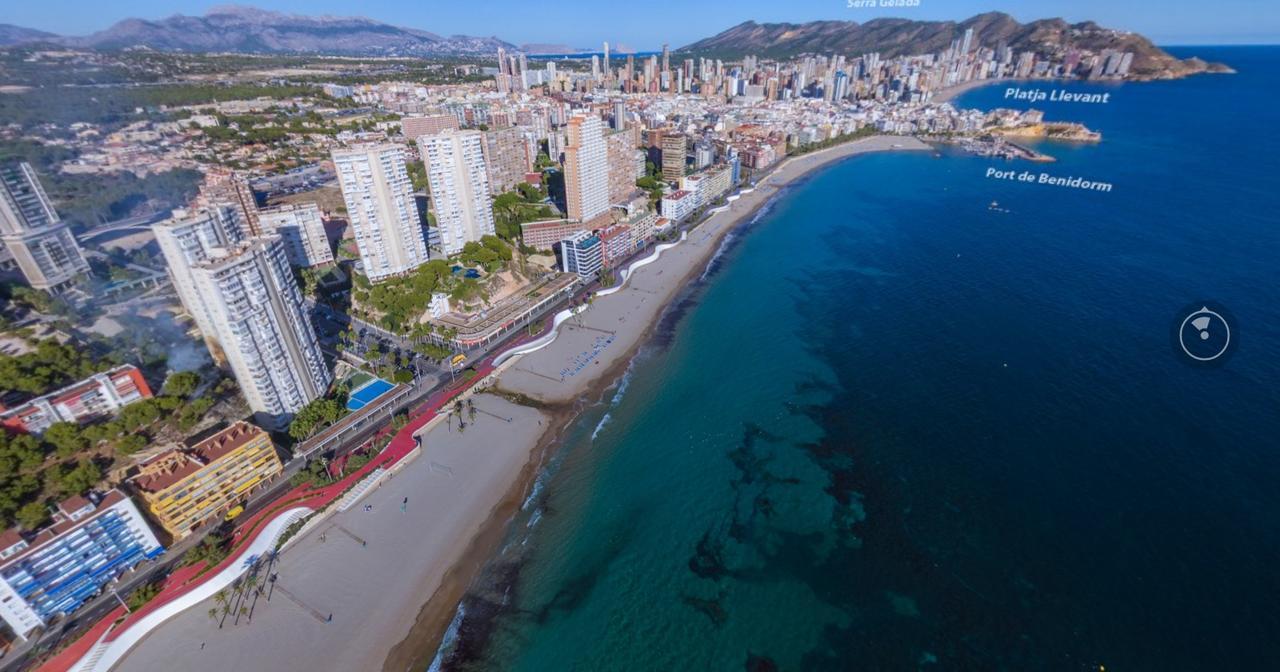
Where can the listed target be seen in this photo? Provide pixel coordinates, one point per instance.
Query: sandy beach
(608, 332)
(373, 591)
(950, 93)
(462, 490)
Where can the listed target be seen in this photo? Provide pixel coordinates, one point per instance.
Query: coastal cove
(893, 425)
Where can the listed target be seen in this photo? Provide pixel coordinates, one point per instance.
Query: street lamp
(117, 596)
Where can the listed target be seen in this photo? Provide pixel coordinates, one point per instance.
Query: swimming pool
(367, 393)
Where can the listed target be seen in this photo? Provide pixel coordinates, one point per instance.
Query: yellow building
(185, 488)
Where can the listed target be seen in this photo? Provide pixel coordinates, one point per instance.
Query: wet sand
(459, 487)
(950, 93)
(463, 490)
(609, 331)
(597, 348)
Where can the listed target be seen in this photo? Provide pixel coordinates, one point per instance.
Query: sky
(647, 25)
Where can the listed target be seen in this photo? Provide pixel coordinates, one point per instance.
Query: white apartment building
(302, 229)
(53, 571)
(586, 168)
(678, 204)
(33, 239)
(260, 323)
(708, 185)
(459, 186)
(381, 209)
(187, 239)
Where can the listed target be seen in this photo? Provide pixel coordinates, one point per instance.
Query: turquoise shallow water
(896, 429)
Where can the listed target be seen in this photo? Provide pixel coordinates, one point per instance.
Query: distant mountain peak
(893, 37)
(247, 29)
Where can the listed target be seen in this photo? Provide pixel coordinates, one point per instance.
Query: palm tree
(213, 613)
(220, 598)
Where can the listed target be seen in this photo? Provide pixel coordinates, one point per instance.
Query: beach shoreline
(418, 649)
(402, 591)
(950, 93)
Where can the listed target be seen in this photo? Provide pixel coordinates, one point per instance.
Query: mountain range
(243, 29)
(901, 37)
(250, 30)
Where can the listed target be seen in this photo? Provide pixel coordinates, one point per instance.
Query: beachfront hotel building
(586, 169)
(185, 488)
(98, 396)
(643, 226)
(301, 228)
(678, 204)
(257, 318)
(708, 185)
(381, 209)
(455, 163)
(616, 244)
(33, 239)
(52, 571)
(582, 254)
(187, 239)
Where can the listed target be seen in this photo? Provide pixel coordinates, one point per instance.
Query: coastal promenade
(390, 578)
(601, 337)
(369, 569)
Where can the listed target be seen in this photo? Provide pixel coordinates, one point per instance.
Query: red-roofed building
(52, 571)
(99, 395)
(545, 234)
(185, 488)
(678, 204)
(616, 243)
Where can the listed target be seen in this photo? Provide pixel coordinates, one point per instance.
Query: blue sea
(894, 428)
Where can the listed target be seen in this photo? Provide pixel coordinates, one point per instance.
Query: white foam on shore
(599, 426)
(450, 636)
(623, 383)
(536, 490)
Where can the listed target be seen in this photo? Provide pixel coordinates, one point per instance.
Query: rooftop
(172, 466)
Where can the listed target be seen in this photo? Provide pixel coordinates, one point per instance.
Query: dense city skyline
(1233, 22)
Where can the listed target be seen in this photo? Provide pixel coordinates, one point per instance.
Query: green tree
(128, 445)
(80, 479)
(32, 515)
(181, 383)
(66, 438)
